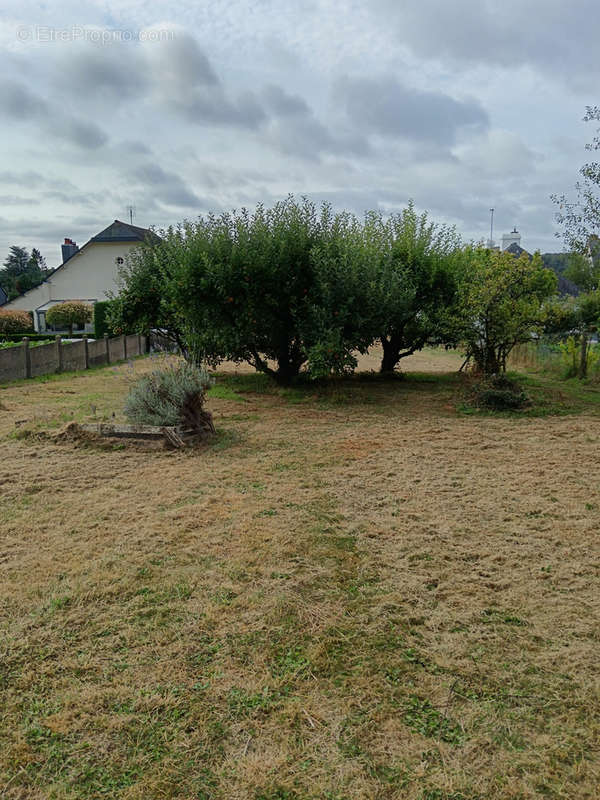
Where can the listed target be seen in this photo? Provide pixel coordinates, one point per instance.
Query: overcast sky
(182, 108)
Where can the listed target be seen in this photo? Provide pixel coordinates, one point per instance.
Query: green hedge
(100, 323)
(39, 337)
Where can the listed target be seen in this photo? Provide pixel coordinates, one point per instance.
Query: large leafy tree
(416, 284)
(501, 304)
(292, 287)
(265, 287)
(22, 271)
(249, 283)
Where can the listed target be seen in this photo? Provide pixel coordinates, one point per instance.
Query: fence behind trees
(25, 361)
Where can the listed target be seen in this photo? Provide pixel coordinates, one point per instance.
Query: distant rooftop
(123, 232)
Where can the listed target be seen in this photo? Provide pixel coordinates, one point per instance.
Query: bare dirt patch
(353, 595)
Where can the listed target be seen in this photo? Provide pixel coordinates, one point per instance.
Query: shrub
(500, 393)
(171, 396)
(15, 321)
(571, 352)
(101, 323)
(66, 315)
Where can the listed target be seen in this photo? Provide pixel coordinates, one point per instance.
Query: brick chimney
(69, 248)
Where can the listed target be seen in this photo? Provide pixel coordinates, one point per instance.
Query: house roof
(119, 231)
(516, 250)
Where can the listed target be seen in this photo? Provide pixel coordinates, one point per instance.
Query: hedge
(100, 322)
(39, 337)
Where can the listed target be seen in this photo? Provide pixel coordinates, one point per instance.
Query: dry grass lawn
(356, 591)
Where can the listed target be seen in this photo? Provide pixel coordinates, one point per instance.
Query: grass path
(355, 592)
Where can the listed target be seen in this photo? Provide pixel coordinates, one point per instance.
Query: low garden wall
(25, 361)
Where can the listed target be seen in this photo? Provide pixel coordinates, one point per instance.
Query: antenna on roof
(131, 213)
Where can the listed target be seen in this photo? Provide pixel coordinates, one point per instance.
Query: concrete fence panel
(12, 363)
(44, 359)
(133, 345)
(116, 349)
(97, 353)
(25, 361)
(73, 356)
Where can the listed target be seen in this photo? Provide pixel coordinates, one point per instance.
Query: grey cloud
(182, 62)
(87, 135)
(308, 138)
(547, 34)
(186, 83)
(135, 147)
(168, 187)
(212, 107)
(17, 200)
(385, 106)
(18, 102)
(295, 129)
(283, 104)
(111, 72)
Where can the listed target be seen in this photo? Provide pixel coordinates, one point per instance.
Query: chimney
(514, 237)
(69, 248)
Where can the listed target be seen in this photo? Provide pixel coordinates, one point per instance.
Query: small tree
(69, 314)
(14, 321)
(501, 304)
(243, 287)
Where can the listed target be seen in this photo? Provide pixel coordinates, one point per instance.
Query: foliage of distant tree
(15, 321)
(22, 271)
(559, 262)
(501, 304)
(69, 314)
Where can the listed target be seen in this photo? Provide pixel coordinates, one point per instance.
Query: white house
(87, 273)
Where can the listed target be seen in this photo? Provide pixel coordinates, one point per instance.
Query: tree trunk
(584, 357)
(391, 353)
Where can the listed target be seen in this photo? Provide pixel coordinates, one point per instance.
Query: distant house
(87, 273)
(511, 243)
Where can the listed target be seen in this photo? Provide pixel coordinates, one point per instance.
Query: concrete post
(107, 348)
(59, 353)
(26, 357)
(124, 346)
(86, 352)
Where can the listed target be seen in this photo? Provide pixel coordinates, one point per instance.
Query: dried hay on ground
(364, 598)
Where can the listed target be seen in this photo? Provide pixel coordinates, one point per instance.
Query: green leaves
(501, 303)
(66, 315)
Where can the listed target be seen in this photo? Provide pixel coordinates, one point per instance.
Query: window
(119, 260)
